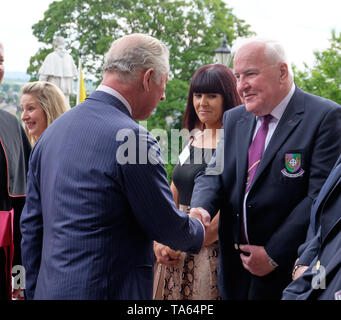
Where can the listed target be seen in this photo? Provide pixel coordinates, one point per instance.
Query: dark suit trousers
(269, 287)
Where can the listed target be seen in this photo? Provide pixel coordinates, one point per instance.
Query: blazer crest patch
(293, 162)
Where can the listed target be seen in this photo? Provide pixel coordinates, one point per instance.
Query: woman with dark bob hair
(194, 277)
(212, 78)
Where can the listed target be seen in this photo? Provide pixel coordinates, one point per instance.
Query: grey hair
(274, 50)
(147, 52)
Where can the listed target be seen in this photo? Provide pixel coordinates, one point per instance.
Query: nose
(163, 97)
(242, 85)
(203, 100)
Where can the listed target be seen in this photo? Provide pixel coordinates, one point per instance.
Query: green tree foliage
(324, 78)
(192, 30)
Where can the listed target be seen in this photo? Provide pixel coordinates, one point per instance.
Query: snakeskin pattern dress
(195, 276)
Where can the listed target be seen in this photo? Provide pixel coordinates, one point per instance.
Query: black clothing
(184, 175)
(14, 154)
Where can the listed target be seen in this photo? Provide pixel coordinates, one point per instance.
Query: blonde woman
(41, 102)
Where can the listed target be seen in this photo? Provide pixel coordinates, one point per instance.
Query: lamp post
(222, 55)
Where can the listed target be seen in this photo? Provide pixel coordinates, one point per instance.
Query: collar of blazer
(291, 117)
(107, 98)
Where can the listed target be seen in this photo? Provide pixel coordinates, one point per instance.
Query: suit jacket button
(236, 246)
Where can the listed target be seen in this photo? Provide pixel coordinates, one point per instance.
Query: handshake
(202, 215)
(169, 257)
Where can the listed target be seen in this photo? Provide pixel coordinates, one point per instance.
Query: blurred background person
(187, 276)
(41, 103)
(14, 153)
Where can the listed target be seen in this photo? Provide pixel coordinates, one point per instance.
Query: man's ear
(147, 76)
(284, 72)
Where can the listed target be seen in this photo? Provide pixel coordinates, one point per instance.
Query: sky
(301, 25)
(16, 20)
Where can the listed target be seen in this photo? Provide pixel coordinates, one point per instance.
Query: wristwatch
(273, 262)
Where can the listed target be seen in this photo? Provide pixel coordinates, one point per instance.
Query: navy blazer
(90, 218)
(324, 248)
(278, 204)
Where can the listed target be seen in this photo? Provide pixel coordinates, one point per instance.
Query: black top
(5, 203)
(14, 154)
(183, 175)
(16, 149)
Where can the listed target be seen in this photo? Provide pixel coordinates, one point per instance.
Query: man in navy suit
(317, 273)
(265, 201)
(97, 190)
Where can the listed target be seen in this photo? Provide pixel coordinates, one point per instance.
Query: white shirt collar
(116, 94)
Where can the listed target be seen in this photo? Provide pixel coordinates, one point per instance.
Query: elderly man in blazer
(275, 154)
(97, 192)
(317, 273)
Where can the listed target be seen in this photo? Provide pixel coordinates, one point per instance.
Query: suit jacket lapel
(331, 218)
(291, 117)
(245, 128)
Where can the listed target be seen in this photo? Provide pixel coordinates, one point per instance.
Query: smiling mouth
(29, 125)
(248, 96)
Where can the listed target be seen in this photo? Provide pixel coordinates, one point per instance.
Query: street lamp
(222, 55)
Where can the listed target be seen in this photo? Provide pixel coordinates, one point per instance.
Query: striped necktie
(256, 150)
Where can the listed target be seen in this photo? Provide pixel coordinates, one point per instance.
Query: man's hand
(202, 215)
(257, 262)
(18, 294)
(299, 271)
(165, 255)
